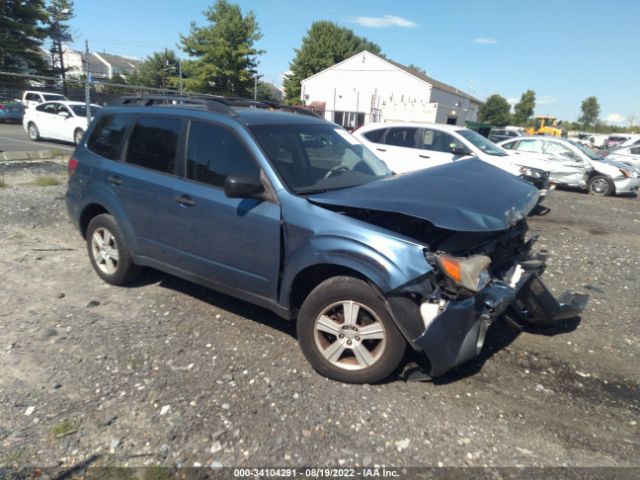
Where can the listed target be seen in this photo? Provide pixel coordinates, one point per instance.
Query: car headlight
(531, 172)
(468, 272)
(628, 173)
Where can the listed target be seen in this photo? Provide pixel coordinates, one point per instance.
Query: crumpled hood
(467, 195)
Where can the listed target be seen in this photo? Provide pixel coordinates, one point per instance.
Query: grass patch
(158, 472)
(2, 183)
(56, 152)
(47, 181)
(64, 428)
(12, 459)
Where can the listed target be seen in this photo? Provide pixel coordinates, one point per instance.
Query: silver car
(628, 155)
(602, 176)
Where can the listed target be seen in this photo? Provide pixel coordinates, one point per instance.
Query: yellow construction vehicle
(546, 126)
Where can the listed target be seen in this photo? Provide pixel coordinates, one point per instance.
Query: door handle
(114, 180)
(424, 156)
(381, 149)
(185, 201)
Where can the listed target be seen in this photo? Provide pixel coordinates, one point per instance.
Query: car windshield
(51, 97)
(484, 144)
(318, 158)
(587, 151)
(81, 110)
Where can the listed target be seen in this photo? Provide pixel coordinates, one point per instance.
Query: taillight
(2, 106)
(72, 165)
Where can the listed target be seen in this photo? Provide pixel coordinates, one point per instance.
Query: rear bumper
(458, 332)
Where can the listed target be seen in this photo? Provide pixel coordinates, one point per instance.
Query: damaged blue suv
(292, 213)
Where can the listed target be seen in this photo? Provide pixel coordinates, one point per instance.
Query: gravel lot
(166, 372)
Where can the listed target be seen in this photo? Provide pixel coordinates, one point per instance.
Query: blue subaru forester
(292, 213)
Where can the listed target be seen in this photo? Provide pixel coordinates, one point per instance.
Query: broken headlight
(468, 272)
(532, 172)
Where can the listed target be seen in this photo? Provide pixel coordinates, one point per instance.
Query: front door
(231, 241)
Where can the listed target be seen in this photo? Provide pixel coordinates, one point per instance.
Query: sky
(563, 50)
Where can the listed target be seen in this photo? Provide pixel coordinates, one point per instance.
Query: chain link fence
(22, 105)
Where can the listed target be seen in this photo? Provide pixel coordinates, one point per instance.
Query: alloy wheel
(105, 250)
(350, 335)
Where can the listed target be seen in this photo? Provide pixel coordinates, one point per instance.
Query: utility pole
(255, 87)
(87, 81)
(180, 75)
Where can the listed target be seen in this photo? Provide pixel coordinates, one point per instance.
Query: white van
(31, 98)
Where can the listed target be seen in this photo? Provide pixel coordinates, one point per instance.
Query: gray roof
(119, 62)
(435, 83)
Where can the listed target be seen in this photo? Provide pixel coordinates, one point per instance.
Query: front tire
(108, 252)
(34, 133)
(601, 186)
(346, 334)
(77, 136)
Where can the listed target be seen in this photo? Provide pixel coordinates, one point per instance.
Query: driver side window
(559, 151)
(533, 146)
(438, 141)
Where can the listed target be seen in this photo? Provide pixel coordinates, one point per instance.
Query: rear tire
(601, 186)
(109, 254)
(34, 133)
(346, 334)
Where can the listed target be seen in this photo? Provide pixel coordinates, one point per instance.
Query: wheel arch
(89, 212)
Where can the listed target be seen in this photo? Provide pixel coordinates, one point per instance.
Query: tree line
(497, 111)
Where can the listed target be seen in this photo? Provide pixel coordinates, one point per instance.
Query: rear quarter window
(375, 136)
(107, 137)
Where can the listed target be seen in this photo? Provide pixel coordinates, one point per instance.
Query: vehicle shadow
(214, 298)
(500, 336)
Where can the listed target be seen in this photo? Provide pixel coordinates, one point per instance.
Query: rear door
(145, 183)
(400, 149)
(231, 241)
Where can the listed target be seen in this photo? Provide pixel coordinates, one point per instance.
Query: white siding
(366, 83)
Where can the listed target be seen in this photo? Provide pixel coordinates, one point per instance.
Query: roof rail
(211, 104)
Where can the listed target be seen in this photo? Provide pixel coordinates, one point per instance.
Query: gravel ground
(166, 372)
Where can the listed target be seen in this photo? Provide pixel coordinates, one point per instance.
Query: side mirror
(240, 186)
(459, 151)
(63, 114)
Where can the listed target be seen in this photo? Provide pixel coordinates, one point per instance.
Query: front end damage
(453, 322)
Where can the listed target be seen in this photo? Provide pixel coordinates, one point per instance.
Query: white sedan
(64, 120)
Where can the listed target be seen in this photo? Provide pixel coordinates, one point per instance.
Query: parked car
(66, 121)
(634, 139)
(292, 213)
(499, 134)
(604, 176)
(616, 140)
(408, 147)
(32, 98)
(628, 155)
(597, 140)
(11, 111)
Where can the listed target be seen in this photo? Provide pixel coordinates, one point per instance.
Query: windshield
(587, 151)
(81, 110)
(317, 158)
(51, 97)
(484, 144)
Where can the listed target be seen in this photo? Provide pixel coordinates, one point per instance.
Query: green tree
(325, 44)
(22, 31)
(417, 69)
(268, 92)
(225, 58)
(590, 112)
(159, 70)
(496, 111)
(524, 108)
(59, 31)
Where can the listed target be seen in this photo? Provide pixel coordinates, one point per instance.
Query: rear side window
(375, 136)
(106, 138)
(213, 153)
(402, 137)
(154, 142)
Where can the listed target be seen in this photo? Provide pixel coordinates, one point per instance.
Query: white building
(366, 88)
(101, 65)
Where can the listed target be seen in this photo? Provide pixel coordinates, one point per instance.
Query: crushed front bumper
(457, 333)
